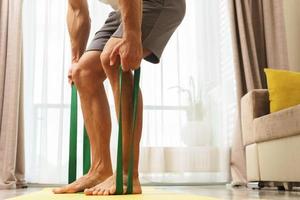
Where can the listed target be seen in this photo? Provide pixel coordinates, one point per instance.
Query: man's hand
(130, 51)
(70, 72)
(130, 48)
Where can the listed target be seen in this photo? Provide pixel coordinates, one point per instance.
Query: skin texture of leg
(88, 76)
(108, 187)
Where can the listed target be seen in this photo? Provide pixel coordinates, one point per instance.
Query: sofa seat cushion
(276, 125)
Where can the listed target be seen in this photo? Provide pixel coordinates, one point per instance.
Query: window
(189, 98)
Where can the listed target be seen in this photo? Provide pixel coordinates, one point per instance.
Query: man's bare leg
(88, 77)
(112, 72)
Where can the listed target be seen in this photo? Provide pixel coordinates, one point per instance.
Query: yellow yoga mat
(148, 194)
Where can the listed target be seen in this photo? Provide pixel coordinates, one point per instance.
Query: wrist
(76, 54)
(137, 35)
(75, 60)
(75, 57)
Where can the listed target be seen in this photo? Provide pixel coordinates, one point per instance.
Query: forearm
(131, 11)
(78, 21)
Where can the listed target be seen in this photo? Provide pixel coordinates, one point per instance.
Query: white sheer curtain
(189, 98)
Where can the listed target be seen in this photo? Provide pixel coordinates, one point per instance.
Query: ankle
(100, 173)
(135, 176)
(100, 169)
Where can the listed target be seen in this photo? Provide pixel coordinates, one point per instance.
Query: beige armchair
(272, 142)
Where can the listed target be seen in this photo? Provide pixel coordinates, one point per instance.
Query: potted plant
(196, 130)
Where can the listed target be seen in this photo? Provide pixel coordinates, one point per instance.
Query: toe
(56, 190)
(124, 189)
(88, 191)
(95, 192)
(101, 192)
(59, 190)
(106, 192)
(112, 190)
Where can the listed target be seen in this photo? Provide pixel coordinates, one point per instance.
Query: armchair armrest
(253, 105)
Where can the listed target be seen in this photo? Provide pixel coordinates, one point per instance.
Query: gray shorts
(160, 19)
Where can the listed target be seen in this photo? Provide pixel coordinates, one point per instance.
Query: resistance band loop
(131, 150)
(73, 136)
(86, 143)
(73, 141)
(86, 152)
(119, 171)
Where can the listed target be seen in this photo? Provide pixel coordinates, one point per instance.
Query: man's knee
(105, 61)
(77, 73)
(83, 74)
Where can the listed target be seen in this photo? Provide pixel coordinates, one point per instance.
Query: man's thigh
(160, 19)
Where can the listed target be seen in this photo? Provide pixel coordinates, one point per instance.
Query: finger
(124, 62)
(70, 76)
(135, 66)
(137, 63)
(124, 65)
(70, 79)
(113, 56)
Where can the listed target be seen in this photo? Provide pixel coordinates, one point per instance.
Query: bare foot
(86, 181)
(108, 187)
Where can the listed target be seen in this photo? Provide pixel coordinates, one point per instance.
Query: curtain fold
(11, 96)
(259, 41)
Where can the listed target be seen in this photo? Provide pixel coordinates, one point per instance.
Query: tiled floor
(218, 191)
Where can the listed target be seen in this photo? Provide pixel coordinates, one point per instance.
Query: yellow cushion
(284, 89)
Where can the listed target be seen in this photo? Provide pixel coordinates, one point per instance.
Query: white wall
(292, 18)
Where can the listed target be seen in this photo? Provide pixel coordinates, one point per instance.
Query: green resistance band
(73, 141)
(86, 148)
(73, 136)
(86, 152)
(119, 171)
